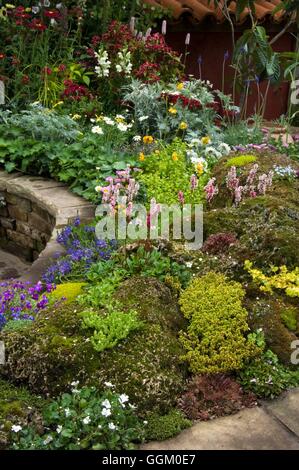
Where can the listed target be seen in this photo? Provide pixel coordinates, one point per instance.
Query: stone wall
(32, 210)
(25, 228)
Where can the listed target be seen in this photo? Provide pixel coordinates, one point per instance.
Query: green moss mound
(164, 427)
(68, 290)
(55, 351)
(241, 160)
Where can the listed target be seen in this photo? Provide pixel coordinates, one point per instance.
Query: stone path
(11, 266)
(272, 426)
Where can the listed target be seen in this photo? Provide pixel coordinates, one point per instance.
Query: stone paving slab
(11, 266)
(272, 426)
(286, 410)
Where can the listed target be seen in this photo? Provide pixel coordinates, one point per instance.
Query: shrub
(266, 377)
(85, 419)
(210, 396)
(241, 160)
(159, 428)
(219, 243)
(215, 339)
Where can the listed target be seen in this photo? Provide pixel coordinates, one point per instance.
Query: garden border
(53, 198)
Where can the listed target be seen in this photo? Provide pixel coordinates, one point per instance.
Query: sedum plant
(215, 340)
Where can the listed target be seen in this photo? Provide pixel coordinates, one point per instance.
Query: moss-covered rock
(56, 350)
(267, 312)
(17, 407)
(153, 301)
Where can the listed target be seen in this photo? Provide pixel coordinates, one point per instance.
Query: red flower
(2, 56)
(25, 80)
(47, 71)
(52, 14)
(95, 40)
(37, 25)
(61, 68)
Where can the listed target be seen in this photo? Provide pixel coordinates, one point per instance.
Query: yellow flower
(199, 168)
(10, 6)
(205, 140)
(183, 126)
(157, 152)
(180, 86)
(148, 139)
(175, 156)
(172, 110)
(26, 9)
(141, 157)
(75, 117)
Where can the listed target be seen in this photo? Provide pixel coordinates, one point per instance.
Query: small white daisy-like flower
(106, 412)
(86, 420)
(106, 404)
(67, 412)
(59, 429)
(137, 138)
(111, 426)
(97, 130)
(123, 399)
(16, 428)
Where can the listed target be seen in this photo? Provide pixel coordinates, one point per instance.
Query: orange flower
(175, 156)
(141, 157)
(148, 139)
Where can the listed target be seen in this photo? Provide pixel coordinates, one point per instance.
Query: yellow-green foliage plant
(68, 291)
(215, 340)
(282, 279)
(241, 160)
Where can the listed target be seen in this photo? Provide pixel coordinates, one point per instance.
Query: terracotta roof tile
(201, 9)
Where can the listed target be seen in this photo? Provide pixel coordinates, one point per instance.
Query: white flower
(48, 440)
(75, 384)
(120, 116)
(103, 67)
(122, 127)
(16, 428)
(224, 148)
(98, 189)
(99, 426)
(59, 429)
(106, 404)
(189, 264)
(106, 412)
(35, 10)
(145, 422)
(108, 121)
(67, 412)
(97, 130)
(111, 426)
(86, 420)
(213, 152)
(253, 381)
(123, 398)
(142, 118)
(137, 138)
(108, 384)
(124, 62)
